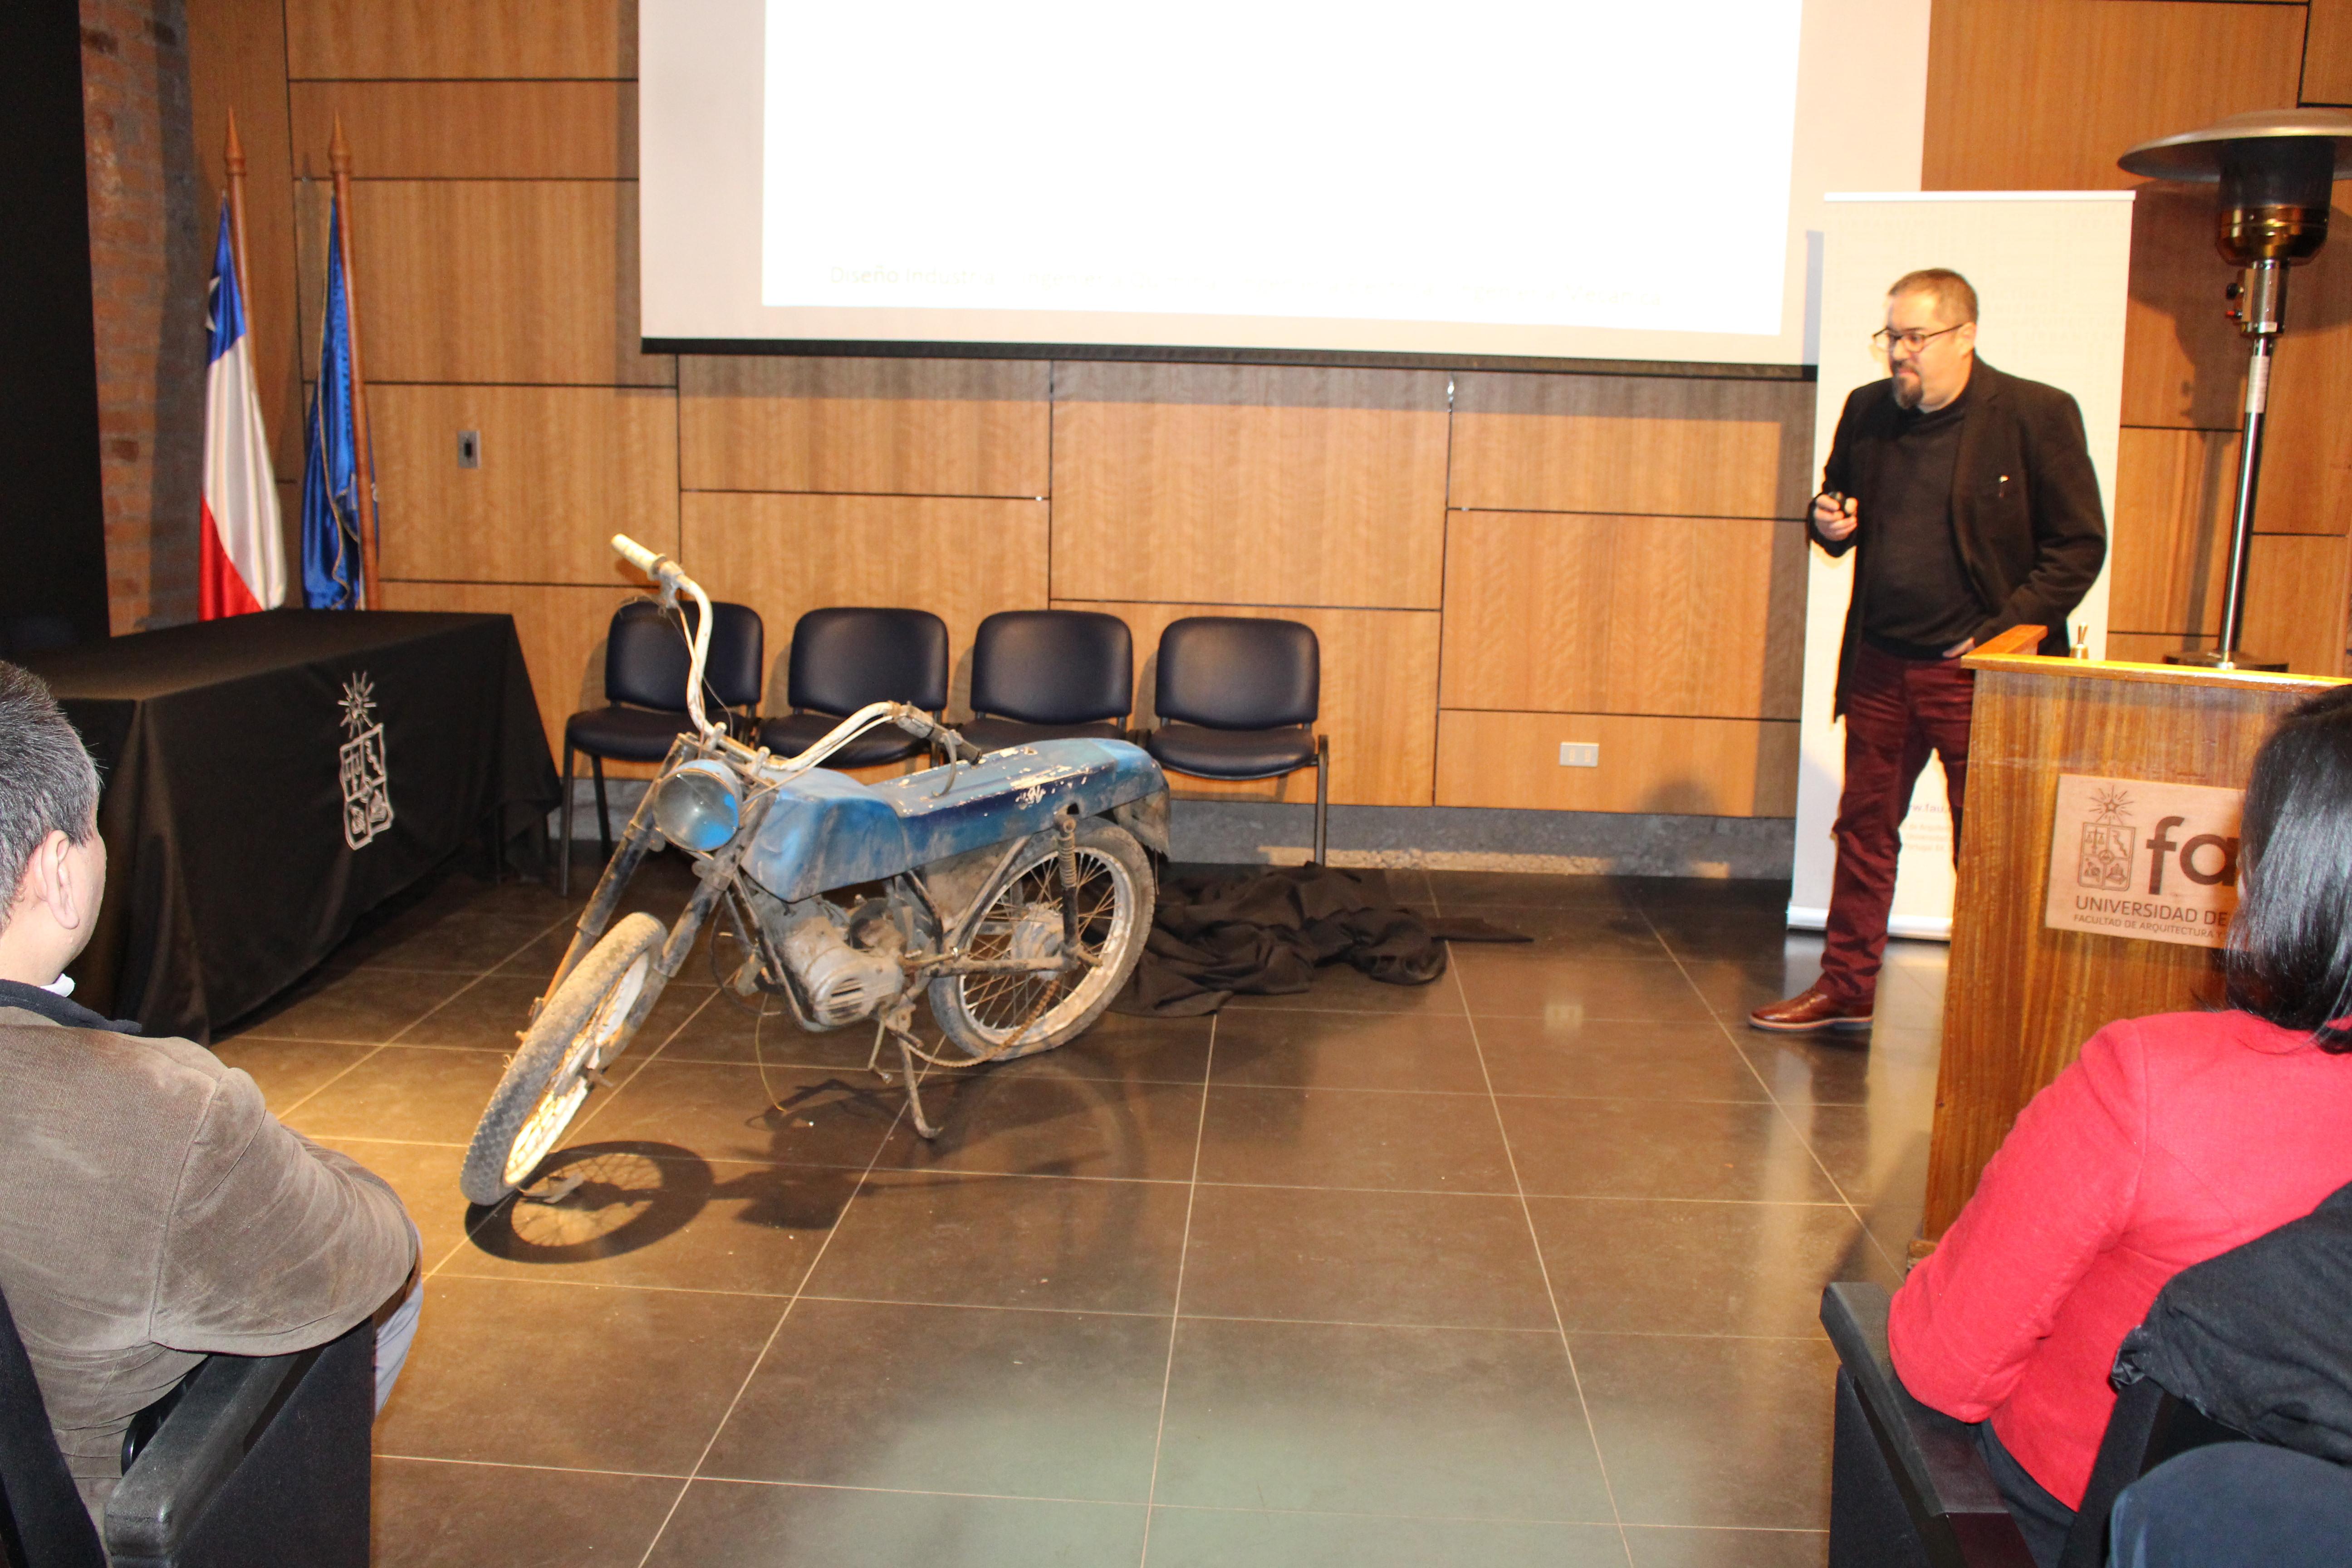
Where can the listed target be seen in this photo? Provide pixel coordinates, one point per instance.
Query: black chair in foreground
(259, 1462)
(842, 659)
(1910, 1489)
(1237, 698)
(1050, 675)
(646, 664)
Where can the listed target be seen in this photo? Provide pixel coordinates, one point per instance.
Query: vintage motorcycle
(1010, 890)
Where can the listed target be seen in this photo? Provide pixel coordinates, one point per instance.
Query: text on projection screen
(1570, 163)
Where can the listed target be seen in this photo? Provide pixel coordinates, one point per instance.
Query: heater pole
(2249, 463)
(2258, 307)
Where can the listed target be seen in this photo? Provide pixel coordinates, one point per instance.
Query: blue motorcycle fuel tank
(824, 829)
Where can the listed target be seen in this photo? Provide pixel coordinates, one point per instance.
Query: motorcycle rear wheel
(585, 1025)
(983, 1013)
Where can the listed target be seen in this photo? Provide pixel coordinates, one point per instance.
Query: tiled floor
(1516, 1267)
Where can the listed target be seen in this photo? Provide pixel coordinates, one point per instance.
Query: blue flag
(330, 469)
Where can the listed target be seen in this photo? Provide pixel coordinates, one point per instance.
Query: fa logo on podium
(367, 793)
(2175, 881)
(2106, 859)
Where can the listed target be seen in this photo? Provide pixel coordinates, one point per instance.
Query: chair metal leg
(1322, 796)
(563, 856)
(603, 815)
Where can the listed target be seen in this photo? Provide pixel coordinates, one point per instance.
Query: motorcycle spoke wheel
(584, 1026)
(1014, 1013)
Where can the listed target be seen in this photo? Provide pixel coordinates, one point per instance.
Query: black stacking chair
(842, 659)
(1050, 675)
(1909, 1488)
(260, 1462)
(1237, 700)
(647, 661)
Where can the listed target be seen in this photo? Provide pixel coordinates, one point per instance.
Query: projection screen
(1484, 178)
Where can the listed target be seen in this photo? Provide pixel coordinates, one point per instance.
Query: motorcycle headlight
(699, 808)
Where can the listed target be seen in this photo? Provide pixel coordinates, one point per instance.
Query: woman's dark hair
(2290, 953)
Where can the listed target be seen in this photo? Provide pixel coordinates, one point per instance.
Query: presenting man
(1971, 497)
(151, 1210)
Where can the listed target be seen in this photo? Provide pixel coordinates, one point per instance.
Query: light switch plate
(1579, 753)
(469, 448)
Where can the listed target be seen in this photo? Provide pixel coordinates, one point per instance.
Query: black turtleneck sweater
(1916, 601)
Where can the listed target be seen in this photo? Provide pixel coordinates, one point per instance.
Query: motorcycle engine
(844, 980)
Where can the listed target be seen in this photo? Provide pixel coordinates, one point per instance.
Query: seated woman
(2172, 1139)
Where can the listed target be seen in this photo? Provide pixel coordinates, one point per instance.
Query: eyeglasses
(1884, 340)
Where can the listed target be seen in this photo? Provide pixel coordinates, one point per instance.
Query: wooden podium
(2022, 997)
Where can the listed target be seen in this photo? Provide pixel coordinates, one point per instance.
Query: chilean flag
(241, 556)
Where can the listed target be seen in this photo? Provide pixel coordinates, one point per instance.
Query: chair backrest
(2257, 1336)
(2251, 1343)
(39, 1509)
(844, 658)
(646, 660)
(2148, 1425)
(1053, 667)
(1233, 672)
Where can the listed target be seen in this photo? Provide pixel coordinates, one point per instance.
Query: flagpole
(235, 163)
(339, 160)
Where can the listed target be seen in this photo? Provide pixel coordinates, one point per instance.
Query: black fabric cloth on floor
(1264, 934)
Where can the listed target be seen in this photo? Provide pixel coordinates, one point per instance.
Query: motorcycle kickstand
(897, 1029)
(914, 1091)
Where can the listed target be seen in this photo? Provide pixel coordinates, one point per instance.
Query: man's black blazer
(2025, 502)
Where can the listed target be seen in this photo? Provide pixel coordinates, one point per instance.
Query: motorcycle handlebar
(912, 720)
(674, 581)
(638, 556)
(915, 721)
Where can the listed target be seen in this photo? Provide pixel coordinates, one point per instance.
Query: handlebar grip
(636, 555)
(915, 721)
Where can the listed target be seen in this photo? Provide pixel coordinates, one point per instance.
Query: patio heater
(2275, 170)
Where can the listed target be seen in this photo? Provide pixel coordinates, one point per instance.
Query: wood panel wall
(1494, 564)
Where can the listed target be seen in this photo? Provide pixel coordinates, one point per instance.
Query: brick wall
(149, 262)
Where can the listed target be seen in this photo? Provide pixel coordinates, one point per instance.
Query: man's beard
(1907, 394)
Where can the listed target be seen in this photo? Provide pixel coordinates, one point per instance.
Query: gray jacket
(154, 1212)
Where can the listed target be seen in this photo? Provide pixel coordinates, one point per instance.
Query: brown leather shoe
(1812, 1008)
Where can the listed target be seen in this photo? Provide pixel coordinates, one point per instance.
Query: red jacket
(2171, 1140)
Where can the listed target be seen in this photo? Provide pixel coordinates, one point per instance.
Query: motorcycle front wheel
(584, 1026)
(1011, 1015)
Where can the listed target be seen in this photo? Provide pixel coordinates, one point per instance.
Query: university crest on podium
(367, 793)
(2106, 857)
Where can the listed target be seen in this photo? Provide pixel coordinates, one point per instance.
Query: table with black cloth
(270, 778)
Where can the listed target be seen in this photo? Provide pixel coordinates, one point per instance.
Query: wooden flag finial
(232, 160)
(339, 161)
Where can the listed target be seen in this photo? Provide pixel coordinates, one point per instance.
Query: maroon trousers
(1898, 710)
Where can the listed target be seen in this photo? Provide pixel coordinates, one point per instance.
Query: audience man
(1970, 497)
(152, 1211)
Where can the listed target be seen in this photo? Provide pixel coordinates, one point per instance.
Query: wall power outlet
(1579, 753)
